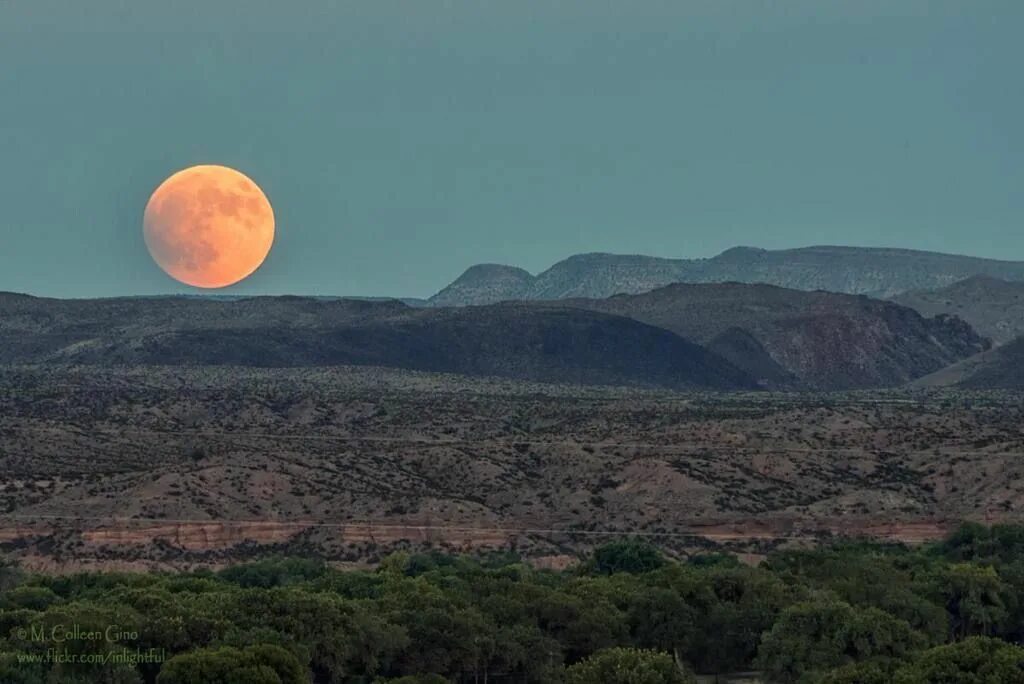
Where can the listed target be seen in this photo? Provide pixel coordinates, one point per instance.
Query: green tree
(747, 602)
(341, 637)
(975, 542)
(625, 555)
(627, 666)
(976, 660)
(10, 620)
(973, 596)
(1012, 576)
(876, 671)
(10, 574)
(660, 619)
(79, 617)
(264, 664)
(444, 640)
(713, 560)
(30, 597)
(274, 572)
(14, 671)
(891, 578)
(821, 635)
(967, 542)
(580, 626)
(177, 621)
(280, 661)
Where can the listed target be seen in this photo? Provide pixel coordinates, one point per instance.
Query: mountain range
(819, 340)
(878, 272)
(191, 426)
(519, 341)
(814, 318)
(723, 336)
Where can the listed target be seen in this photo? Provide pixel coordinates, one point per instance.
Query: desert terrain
(148, 467)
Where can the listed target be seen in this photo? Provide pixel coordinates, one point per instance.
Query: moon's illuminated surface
(208, 226)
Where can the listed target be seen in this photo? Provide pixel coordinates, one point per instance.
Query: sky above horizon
(402, 142)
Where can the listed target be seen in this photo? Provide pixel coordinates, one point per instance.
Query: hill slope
(182, 465)
(485, 284)
(549, 344)
(999, 368)
(878, 272)
(826, 340)
(740, 348)
(993, 307)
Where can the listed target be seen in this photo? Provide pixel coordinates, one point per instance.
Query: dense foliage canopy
(841, 614)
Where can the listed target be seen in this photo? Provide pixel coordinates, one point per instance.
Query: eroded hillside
(173, 466)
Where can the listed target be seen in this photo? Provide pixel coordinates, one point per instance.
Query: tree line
(849, 613)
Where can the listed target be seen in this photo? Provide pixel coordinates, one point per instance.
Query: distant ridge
(753, 336)
(485, 284)
(994, 307)
(813, 340)
(543, 343)
(875, 271)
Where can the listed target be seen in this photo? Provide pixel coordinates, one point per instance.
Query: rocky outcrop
(825, 340)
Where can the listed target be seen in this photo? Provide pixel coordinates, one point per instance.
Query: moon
(208, 226)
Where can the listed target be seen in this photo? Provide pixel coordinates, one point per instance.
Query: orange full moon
(208, 226)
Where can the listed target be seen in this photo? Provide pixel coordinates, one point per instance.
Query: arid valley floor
(175, 467)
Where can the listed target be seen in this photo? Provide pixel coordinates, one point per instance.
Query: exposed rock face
(826, 340)
(205, 536)
(854, 270)
(226, 538)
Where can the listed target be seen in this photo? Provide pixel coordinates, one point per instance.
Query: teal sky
(401, 141)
